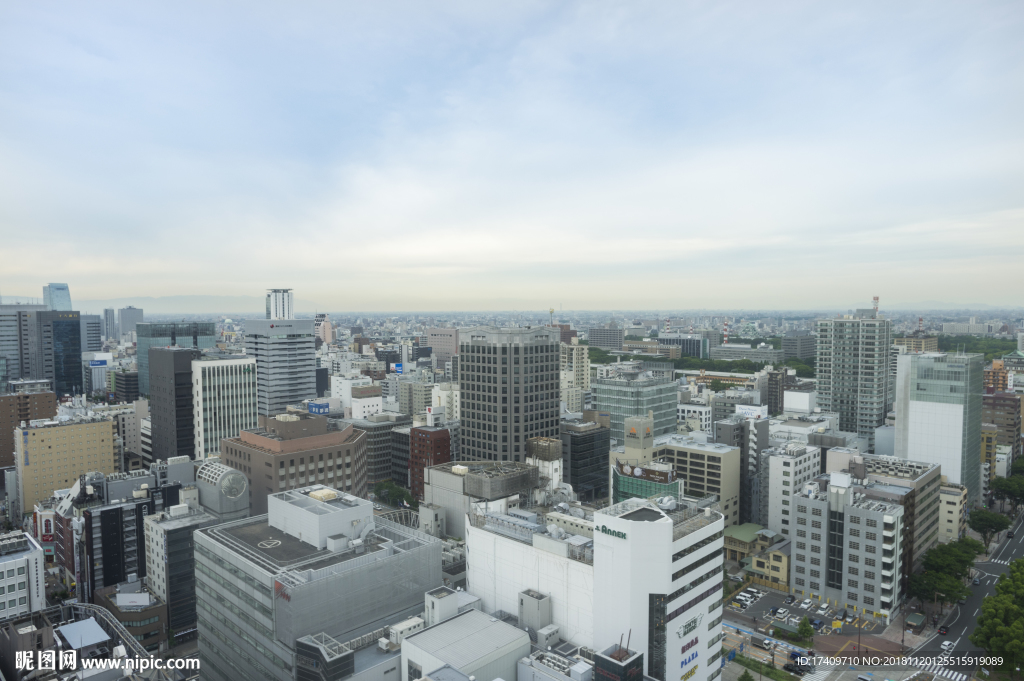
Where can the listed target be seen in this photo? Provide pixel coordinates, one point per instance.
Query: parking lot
(761, 611)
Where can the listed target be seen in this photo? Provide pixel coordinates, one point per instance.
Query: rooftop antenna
(920, 324)
(874, 302)
(725, 340)
(551, 316)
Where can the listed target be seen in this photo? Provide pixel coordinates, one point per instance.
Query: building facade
(57, 297)
(91, 332)
(851, 373)
(199, 335)
(586, 449)
(110, 324)
(59, 338)
(285, 354)
(22, 574)
(224, 400)
(171, 403)
(27, 401)
(798, 345)
(280, 304)
(445, 343)
(508, 387)
(918, 343)
(788, 469)
(605, 337)
(127, 320)
(635, 394)
(378, 429)
(939, 402)
(1004, 411)
(428, 446)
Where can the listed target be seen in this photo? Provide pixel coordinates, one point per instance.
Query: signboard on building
(396, 368)
(751, 411)
(319, 408)
(97, 362)
(663, 477)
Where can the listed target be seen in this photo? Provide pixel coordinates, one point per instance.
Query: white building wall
(499, 568)
(341, 387)
(22, 576)
(364, 407)
(934, 433)
(447, 395)
(696, 411)
(225, 401)
(629, 569)
(782, 487)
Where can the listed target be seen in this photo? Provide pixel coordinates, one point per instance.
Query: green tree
(954, 559)
(1000, 627)
(1014, 488)
(805, 630)
(746, 676)
(1002, 490)
(987, 523)
(717, 385)
(1017, 468)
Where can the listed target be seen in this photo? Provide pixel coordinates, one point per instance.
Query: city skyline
(554, 152)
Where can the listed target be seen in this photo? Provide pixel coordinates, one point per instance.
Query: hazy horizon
(472, 157)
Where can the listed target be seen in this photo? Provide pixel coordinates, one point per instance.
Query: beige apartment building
(50, 455)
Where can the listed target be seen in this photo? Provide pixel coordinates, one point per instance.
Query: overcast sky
(483, 155)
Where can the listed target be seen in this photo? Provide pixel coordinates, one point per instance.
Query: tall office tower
(322, 328)
(285, 353)
(634, 393)
(170, 402)
(224, 400)
(18, 340)
(750, 435)
(201, 335)
(91, 332)
(324, 571)
(608, 337)
(938, 407)
(508, 387)
(798, 344)
(57, 297)
(109, 324)
(852, 375)
(27, 401)
(59, 348)
(126, 386)
(574, 372)
(279, 303)
(445, 343)
(127, 318)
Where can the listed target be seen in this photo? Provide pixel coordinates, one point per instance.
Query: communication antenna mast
(920, 324)
(874, 302)
(551, 316)
(725, 340)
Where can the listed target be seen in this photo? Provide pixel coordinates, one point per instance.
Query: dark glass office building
(586, 449)
(59, 338)
(200, 335)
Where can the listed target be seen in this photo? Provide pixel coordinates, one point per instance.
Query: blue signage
(397, 368)
(319, 408)
(97, 362)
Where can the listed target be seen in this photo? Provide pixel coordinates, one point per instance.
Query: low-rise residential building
(918, 343)
(953, 512)
(770, 566)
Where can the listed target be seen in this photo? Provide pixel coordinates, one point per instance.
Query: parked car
(823, 609)
(773, 611)
(806, 604)
(782, 613)
(793, 669)
(850, 618)
(943, 631)
(790, 599)
(817, 624)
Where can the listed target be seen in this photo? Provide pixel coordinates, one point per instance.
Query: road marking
(976, 612)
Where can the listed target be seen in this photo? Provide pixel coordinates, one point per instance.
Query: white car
(782, 613)
(806, 604)
(947, 646)
(823, 609)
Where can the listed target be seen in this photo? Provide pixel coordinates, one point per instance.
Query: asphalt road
(962, 619)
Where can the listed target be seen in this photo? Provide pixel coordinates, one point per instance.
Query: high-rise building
(508, 387)
(59, 349)
(110, 324)
(848, 549)
(57, 297)
(586, 450)
(997, 378)
(50, 455)
(989, 434)
(285, 353)
(18, 340)
(775, 393)
(224, 400)
(750, 436)
(852, 377)
(378, 429)
(798, 344)
(127, 318)
(126, 385)
(279, 303)
(918, 343)
(634, 393)
(939, 413)
(574, 375)
(322, 328)
(297, 450)
(608, 337)
(414, 397)
(318, 571)
(445, 343)
(91, 332)
(171, 402)
(200, 335)
(1003, 410)
(26, 401)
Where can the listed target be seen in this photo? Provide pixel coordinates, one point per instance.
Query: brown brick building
(30, 400)
(290, 451)
(428, 446)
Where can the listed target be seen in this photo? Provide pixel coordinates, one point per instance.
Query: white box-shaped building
(474, 643)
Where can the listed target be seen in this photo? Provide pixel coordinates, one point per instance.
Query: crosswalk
(819, 673)
(1001, 562)
(945, 673)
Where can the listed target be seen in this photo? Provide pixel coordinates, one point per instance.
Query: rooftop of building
(487, 469)
(688, 442)
(129, 596)
(77, 420)
(467, 638)
(862, 498)
(687, 514)
(190, 518)
(746, 533)
(16, 544)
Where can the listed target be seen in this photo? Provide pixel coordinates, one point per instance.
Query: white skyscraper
(57, 297)
(224, 400)
(279, 304)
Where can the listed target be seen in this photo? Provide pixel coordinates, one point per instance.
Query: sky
(471, 156)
